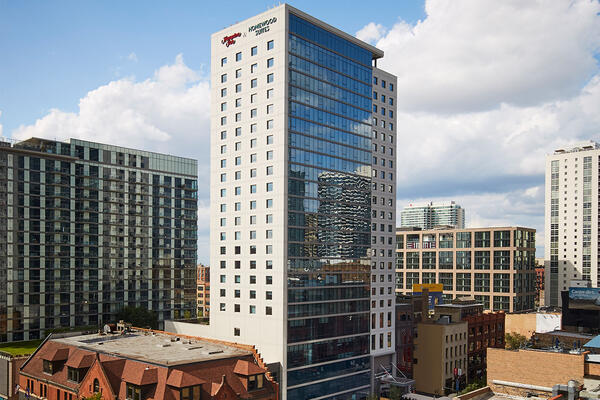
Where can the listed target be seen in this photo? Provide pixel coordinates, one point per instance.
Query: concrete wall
(531, 367)
(546, 322)
(186, 328)
(529, 323)
(9, 375)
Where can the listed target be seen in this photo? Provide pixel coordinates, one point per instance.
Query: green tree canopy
(514, 341)
(138, 316)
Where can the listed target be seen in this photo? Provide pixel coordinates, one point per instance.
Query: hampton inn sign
(258, 29)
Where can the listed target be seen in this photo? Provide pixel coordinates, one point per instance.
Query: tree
(138, 316)
(514, 341)
(96, 396)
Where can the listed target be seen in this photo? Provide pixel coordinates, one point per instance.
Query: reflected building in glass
(303, 202)
(87, 228)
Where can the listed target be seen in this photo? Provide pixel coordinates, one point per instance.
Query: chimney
(425, 304)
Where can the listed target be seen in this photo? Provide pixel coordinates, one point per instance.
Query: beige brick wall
(532, 367)
(523, 324)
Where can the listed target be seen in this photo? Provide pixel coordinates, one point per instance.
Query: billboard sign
(584, 298)
(436, 292)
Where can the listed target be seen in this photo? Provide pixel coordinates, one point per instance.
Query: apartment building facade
(430, 215)
(571, 215)
(86, 228)
(293, 172)
(495, 265)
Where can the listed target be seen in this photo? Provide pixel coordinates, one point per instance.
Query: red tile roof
(161, 382)
(180, 379)
(138, 375)
(246, 368)
(56, 354)
(80, 359)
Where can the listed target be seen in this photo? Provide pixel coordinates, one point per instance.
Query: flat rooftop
(452, 305)
(153, 347)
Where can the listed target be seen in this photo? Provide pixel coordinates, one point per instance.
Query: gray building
(430, 215)
(87, 228)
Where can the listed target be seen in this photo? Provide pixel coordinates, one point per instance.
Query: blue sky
(55, 52)
(486, 89)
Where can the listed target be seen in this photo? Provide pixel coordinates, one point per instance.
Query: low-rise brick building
(484, 330)
(145, 364)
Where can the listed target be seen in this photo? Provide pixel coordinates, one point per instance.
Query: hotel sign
(262, 27)
(257, 29)
(229, 40)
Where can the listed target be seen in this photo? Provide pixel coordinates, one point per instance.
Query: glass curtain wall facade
(87, 228)
(329, 213)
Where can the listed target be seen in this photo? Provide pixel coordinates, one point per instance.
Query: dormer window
(134, 392)
(49, 367)
(255, 382)
(190, 393)
(74, 374)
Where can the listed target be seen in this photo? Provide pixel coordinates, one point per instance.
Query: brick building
(405, 328)
(145, 365)
(203, 291)
(484, 330)
(525, 371)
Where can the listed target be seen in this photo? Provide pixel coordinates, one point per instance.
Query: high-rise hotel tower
(303, 142)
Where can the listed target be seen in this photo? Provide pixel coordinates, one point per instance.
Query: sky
(485, 88)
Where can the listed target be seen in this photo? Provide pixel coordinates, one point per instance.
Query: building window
(96, 387)
(236, 331)
(270, 78)
(255, 382)
(223, 61)
(254, 83)
(190, 393)
(269, 310)
(134, 392)
(253, 68)
(73, 374)
(48, 367)
(270, 45)
(252, 309)
(270, 62)
(238, 56)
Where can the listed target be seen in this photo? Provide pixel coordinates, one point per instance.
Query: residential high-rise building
(302, 202)
(430, 215)
(86, 228)
(495, 265)
(571, 214)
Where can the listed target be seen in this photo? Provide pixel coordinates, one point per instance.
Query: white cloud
(167, 113)
(485, 90)
(132, 57)
(475, 54)
(371, 32)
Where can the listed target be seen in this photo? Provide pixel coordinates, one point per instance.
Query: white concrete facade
(571, 215)
(249, 146)
(383, 213)
(245, 143)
